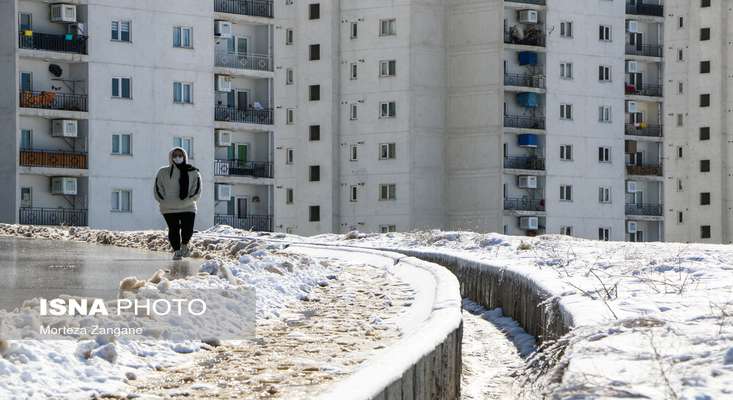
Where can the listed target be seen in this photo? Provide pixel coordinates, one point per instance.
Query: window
(704, 67)
(604, 234)
(25, 22)
(681, 22)
(604, 154)
(122, 144)
(566, 29)
(26, 197)
(353, 193)
(121, 31)
(26, 139)
(566, 70)
(353, 71)
(566, 193)
(704, 100)
(314, 133)
(388, 191)
(387, 109)
(354, 30)
(314, 213)
(314, 173)
(26, 81)
(680, 55)
(314, 52)
(680, 87)
(289, 156)
(705, 232)
(680, 217)
(604, 114)
(604, 33)
(680, 120)
(353, 152)
(566, 111)
(566, 230)
(121, 200)
(387, 228)
(387, 151)
(705, 133)
(680, 187)
(387, 68)
(679, 152)
(314, 92)
(387, 27)
(704, 165)
(186, 143)
(314, 11)
(183, 37)
(604, 73)
(290, 116)
(183, 92)
(704, 34)
(289, 37)
(566, 152)
(289, 76)
(289, 196)
(353, 111)
(704, 3)
(604, 194)
(122, 88)
(705, 198)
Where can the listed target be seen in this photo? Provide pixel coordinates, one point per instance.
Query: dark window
(705, 232)
(314, 173)
(704, 100)
(314, 11)
(704, 165)
(705, 133)
(705, 34)
(314, 132)
(704, 67)
(705, 198)
(314, 213)
(314, 92)
(314, 52)
(705, 3)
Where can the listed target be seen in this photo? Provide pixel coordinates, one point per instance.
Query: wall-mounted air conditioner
(632, 26)
(631, 187)
(223, 138)
(224, 192)
(631, 227)
(529, 223)
(65, 13)
(65, 128)
(527, 182)
(632, 67)
(632, 106)
(63, 185)
(528, 16)
(223, 83)
(223, 29)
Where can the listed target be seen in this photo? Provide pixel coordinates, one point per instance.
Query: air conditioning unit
(631, 227)
(528, 16)
(65, 128)
(631, 187)
(529, 223)
(632, 106)
(224, 192)
(223, 29)
(527, 182)
(632, 67)
(223, 138)
(65, 13)
(223, 83)
(632, 26)
(63, 185)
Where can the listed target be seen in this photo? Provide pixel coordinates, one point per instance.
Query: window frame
(119, 86)
(118, 138)
(117, 193)
(178, 30)
(119, 31)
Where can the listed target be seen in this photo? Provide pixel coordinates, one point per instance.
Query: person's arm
(195, 188)
(158, 189)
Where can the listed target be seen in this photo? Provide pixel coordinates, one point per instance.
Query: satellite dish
(55, 70)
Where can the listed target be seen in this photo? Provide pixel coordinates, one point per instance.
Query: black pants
(180, 228)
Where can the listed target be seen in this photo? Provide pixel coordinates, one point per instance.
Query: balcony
(532, 37)
(53, 100)
(524, 204)
(255, 62)
(646, 50)
(526, 162)
(644, 169)
(524, 122)
(52, 216)
(525, 80)
(644, 90)
(261, 223)
(45, 41)
(254, 8)
(243, 168)
(53, 159)
(643, 130)
(654, 10)
(645, 209)
(249, 116)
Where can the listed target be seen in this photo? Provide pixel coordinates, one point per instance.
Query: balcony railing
(249, 116)
(647, 50)
(523, 204)
(644, 90)
(654, 210)
(45, 41)
(643, 130)
(255, 8)
(644, 169)
(53, 216)
(524, 122)
(256, 62)
(654, 10)
(261, 223)
(533, 37)
(243, 168)
(525, 80)
(53, 159)
(53, 100)
(526, 162)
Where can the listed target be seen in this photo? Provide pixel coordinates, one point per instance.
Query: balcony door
(636, 40)
(238, 45)
(238, 152)
(25, 22)
(26, 81)
(635, 79)
(241, 207)
(26, 197)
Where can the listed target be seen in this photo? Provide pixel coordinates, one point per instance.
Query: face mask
(178, 160)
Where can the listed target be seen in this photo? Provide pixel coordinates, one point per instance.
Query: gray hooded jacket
(167, 188)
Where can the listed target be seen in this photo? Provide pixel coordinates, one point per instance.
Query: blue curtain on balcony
(528, 140)
(528, 100)
(527, 58)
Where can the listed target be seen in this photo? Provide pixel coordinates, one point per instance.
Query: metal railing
(52, 216)
(524, 204)
(243, 168)
(256, 62)
(532, 38)
(525, 80)
(255, 8)
(643, 130)
(654, 10)
(261, 223)
(249, 116)
(644, 169)
(524, 122)
(53, 100)
(525, 162)
(50, 42)
(644, 90)
(648, 209)
(647, 50)
(53, 159)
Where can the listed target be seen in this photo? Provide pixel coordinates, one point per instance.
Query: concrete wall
(8, 117)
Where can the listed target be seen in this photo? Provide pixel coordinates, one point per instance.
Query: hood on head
(170, 155)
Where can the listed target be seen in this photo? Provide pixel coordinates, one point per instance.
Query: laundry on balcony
(528, 140)
(630, 89)
(37, 100)
(528, 58)
(528, 99)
